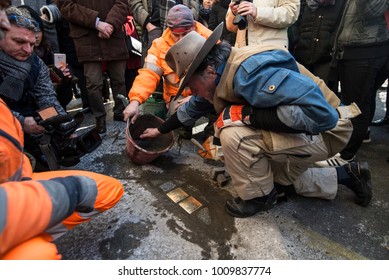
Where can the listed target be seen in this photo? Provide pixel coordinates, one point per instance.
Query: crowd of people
(291, 85)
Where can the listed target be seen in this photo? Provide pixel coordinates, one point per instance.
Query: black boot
(380, 122)
(240, 208)
(361, 185)
(100, 125)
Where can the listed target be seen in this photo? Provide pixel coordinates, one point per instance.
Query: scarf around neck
(13, 76)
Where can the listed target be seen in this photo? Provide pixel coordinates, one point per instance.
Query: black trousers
(358, 84)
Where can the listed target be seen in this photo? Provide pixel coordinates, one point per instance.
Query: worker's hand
(150, 133)
(132, 111)
(181, 102)
(31, 127)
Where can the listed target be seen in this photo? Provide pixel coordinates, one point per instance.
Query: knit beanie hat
(179, 17)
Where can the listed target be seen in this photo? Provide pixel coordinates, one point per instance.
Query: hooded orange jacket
(155, 67)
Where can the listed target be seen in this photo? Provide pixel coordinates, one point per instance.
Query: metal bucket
(143, 151)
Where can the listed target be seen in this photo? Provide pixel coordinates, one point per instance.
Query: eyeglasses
(24, 22)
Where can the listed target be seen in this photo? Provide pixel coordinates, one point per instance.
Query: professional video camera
(60, 145)
(240, 21)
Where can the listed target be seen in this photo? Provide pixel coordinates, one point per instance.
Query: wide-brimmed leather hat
(186, 55)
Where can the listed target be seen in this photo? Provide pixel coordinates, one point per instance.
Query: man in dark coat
(96, 28)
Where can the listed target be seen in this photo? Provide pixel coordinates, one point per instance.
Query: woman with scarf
(205, 11)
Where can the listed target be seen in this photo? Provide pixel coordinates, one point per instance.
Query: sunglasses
(24, 22)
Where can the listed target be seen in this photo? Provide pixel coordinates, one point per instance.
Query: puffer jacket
(82, 16)
(316, 32)
(363, 25)
(155, 68)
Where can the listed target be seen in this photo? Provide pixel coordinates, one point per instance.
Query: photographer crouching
(258, 22)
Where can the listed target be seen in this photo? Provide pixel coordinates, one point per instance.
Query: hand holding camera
(241, 9)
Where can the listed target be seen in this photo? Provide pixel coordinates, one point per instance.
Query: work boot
(359, 172)
(240, 208)
(100, 125)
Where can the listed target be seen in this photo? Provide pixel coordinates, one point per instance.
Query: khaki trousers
(254, 168)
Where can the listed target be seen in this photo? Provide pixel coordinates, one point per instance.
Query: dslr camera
(240, 21)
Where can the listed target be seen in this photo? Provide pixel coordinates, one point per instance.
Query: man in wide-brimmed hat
(275, 120)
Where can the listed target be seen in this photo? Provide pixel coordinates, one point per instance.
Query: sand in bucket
(143, 151)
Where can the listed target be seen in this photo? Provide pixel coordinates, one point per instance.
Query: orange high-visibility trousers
(109, 192)
(37, 212)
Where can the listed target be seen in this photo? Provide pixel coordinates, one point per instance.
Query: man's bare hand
(244, 9)
(31, 127)
(105, 29)
(150, 133)
(66, 72)
(132, 111)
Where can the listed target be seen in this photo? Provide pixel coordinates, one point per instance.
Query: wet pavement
(173, 209)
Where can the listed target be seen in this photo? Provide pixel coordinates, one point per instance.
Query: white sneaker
(336, 160)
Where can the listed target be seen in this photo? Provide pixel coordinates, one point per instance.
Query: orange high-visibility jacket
(155, 67)
(36, 208)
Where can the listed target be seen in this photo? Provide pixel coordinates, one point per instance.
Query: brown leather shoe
(100, 125)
